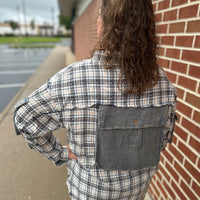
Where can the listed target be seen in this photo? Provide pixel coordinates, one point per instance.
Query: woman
(118, 108)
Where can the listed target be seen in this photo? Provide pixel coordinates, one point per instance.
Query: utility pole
(53, 21)
(24, 11)
(18, 13)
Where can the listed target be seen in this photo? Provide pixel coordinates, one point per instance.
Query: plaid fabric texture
(70, 99)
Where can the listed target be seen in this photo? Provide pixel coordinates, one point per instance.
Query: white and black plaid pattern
(71, 99)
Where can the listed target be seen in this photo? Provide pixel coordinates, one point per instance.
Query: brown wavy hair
(129, 29)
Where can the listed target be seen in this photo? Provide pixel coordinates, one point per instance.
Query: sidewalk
(24, 173)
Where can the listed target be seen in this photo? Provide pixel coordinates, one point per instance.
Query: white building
(43, 30)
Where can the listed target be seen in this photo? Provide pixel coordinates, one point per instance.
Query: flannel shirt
(70, 99)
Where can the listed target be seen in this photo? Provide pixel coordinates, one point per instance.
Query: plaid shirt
(70, 99)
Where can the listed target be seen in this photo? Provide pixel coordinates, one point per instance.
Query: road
(16, 66)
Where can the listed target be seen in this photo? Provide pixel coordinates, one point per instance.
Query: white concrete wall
(6, 29)
(21, 31)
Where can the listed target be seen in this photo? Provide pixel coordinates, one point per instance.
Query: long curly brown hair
(129, 29)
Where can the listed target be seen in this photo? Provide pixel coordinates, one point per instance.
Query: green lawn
(23, 40)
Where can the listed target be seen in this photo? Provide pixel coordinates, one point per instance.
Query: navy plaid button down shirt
(70, 99)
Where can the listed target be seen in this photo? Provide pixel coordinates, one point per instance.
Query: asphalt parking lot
(16, 66)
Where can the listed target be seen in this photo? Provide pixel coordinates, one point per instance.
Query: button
(138, 96)
(135, 122)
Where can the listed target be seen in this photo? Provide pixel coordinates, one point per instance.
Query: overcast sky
(39, 10)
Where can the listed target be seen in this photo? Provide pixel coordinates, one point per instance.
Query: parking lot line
(12, 85)
(17, 72)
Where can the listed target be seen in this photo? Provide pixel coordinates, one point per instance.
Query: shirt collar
(100, 55)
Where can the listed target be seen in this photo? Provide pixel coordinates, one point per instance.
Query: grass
(25, 40)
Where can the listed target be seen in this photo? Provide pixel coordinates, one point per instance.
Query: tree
(65, 21)
(32, 24)
(14, 25)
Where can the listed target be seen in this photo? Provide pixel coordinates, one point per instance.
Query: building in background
(37, 30)
(178, 31)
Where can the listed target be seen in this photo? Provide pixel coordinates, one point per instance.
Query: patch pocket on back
(129, 138)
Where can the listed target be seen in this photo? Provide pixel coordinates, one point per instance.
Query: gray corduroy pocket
(129, 138)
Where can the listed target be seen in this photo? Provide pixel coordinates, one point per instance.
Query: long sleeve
(36, 117)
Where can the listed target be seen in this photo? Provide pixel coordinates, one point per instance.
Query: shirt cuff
(64, 154)
(63, 157)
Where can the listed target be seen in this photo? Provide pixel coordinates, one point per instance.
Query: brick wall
(178, 30)
(85, 31)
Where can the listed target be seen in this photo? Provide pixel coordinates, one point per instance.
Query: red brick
(162, 190)
(179, 67)
(193, 26)
(85, 32)
(191, 55)
(176, 153)
(196, 188)
(162, 198)
(164, 173)
(187, 83)
(191, 127)
(177, 27)
(155, 7)
(163, 62)
(184, 41)
(170, 15)
(195, 144)
(163, 4)
(187, 152)
(182, 172)
(155, 188)
(167, 40)
(189, 11)
(198, 165)
(194, 71)
(173, 53)
(161, 51)
(162, 158)
(180, 93)
(179, 117)
(172, 172)
(171, 76)
(188, 191)
(159, 175)
(174, 140)
(170, 192)
(162, 28)
(178, 2)
(181, 133)
(178, 191)
(197, 42)
(199, 89)
(196, 116)
(184, 109)
(158, 39)
(167, 155)
(158, 17)
(193, 100)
